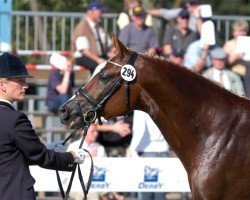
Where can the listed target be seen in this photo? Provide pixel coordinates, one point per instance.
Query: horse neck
(169, 94)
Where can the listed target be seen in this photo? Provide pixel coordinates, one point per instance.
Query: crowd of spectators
(184, 44)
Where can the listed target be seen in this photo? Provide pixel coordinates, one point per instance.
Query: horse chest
(219, 184)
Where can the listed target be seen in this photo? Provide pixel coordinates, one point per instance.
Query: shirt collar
(8, 102)
(92, 24)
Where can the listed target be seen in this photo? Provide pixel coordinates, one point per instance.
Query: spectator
(115, 135)
(179, 37)
(125, 17)
(197, 57)
(147, 141)
(137, 35)
(60, 83)
(240, 28)
(236, 59)
(20, 146)
(90, 42)
(192, 6)
(96, 150)
(221, 74)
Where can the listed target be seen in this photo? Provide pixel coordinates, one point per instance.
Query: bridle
(91, 115)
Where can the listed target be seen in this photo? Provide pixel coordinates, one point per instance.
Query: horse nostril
(63, 113)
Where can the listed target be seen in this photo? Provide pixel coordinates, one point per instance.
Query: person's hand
(56, 146)
(80, 156)
(206, 47)
(122, 128)
(196, 12)
(100, 60)
(239, 56)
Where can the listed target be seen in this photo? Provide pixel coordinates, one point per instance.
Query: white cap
(58, 61)
(206, 11)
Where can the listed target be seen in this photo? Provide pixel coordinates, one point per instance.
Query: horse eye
(104, 77)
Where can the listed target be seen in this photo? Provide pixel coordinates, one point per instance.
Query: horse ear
(120, 48)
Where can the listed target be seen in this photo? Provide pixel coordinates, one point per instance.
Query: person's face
(138, 20)
(14, 88)
(239, 32)
(218, 63)
(68, 67)
(182, 22)
(95, 15)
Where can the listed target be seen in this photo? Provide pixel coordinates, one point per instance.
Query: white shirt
(146, 135)
(6, 101)
(221, 77)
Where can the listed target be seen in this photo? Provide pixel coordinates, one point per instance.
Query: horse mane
(189, 73)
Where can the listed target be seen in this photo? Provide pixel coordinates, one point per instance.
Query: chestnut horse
(207, 126)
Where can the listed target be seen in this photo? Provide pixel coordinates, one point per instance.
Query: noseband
(91, 115)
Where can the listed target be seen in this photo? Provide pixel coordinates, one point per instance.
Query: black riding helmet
(12, 67)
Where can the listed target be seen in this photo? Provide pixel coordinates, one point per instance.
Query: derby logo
(151, 179)
(99, 178)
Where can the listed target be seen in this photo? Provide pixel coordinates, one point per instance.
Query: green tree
(63, 6)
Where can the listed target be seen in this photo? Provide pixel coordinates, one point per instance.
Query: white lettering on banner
(120, 174)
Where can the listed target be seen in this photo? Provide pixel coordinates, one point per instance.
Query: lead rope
(85, 189)
(57, 173)
(65, 195)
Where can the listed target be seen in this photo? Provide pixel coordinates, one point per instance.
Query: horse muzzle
(76, 118)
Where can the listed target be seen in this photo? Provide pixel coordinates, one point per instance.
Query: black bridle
(91, 115)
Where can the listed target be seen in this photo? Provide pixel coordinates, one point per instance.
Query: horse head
(92, 101)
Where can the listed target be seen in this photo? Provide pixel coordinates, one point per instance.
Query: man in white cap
(221, 74)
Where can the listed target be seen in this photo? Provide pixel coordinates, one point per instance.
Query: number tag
(128, 73)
